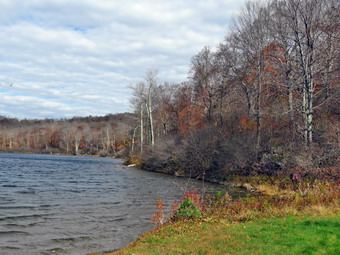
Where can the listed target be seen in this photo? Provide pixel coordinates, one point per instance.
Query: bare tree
(143, 100)
(204, 75)
(139, 103)
(151, 81)
(314, 39)
(248, 38)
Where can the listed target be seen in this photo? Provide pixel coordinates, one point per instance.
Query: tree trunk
(258, 112)
(149, 109)
(108, 140)
(113, 145)
(133, 139)
(76, 146)
(141, 129)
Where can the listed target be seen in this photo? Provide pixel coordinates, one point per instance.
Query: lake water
(53, 204)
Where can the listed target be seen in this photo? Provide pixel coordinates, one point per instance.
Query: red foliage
(55, 139)
(158, 216)
(194, 197)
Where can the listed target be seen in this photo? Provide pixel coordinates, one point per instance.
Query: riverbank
(279, 220)
(260, 170)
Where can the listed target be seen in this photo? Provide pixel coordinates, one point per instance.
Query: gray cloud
(76, 57)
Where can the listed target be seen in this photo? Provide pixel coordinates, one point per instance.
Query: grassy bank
(277, 220)
(288, 235)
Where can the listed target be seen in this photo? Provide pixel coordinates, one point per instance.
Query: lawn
(287, 235)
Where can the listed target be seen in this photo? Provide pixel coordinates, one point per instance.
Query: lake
(51, 204)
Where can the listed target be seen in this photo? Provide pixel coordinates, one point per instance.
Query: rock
(248, 187)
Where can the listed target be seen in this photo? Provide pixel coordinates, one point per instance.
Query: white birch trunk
(141, 128)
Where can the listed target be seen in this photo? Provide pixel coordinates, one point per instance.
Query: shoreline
(274, 207)
(269, 197)
(61, 154)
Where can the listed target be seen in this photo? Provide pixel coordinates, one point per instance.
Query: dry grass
(231, 226)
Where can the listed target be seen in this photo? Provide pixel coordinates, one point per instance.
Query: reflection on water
(76, 205)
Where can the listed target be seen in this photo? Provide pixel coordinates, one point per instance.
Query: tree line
(106, 135)
(265, 100)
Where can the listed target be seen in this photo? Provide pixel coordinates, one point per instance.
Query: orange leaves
(246, 123)
(191, 118)
(158, 216)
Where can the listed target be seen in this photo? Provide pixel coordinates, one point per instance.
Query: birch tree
(151, 83)
(139, 104)
(313, 44)
(144, 94)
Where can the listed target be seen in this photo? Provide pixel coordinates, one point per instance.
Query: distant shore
(57, 153)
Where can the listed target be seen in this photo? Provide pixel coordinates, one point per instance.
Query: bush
(190, 207)
(188, 210)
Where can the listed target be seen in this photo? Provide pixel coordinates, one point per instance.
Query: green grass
(289, 235)
(279, 221)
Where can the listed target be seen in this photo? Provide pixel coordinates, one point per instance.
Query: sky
(66, 58)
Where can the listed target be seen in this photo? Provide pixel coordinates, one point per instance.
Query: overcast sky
(70, 58)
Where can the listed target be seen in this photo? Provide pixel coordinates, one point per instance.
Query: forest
(104, 136)
(264, 101)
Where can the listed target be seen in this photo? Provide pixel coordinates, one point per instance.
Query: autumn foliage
(106, 135)
(265, 101)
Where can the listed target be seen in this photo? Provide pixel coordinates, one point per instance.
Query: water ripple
(76, 205)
